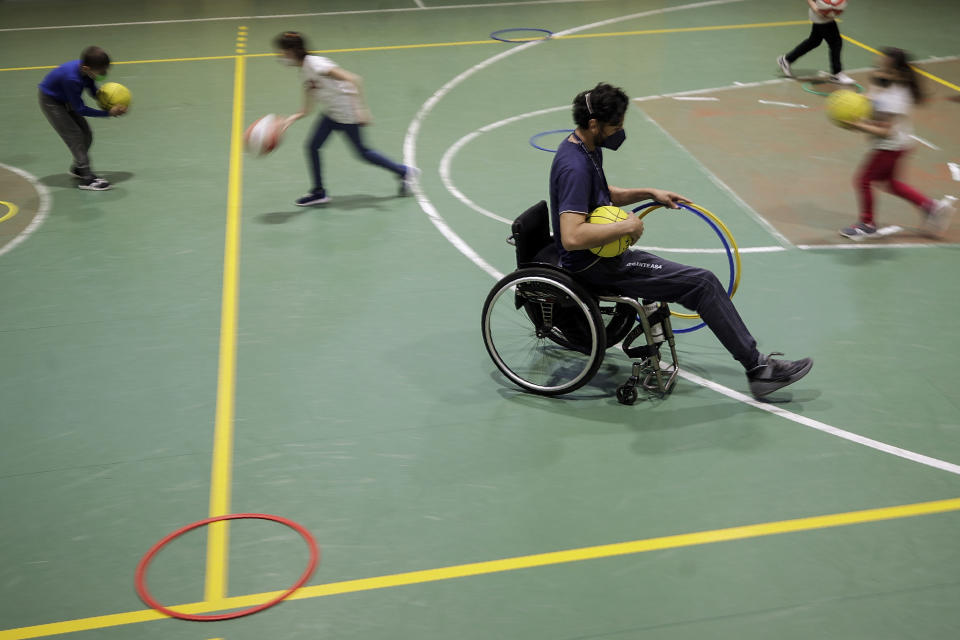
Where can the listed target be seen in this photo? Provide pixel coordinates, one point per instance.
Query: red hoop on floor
(140, 578)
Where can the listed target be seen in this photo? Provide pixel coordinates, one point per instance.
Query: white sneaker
(317, 196)
(940, 215)
(842, 78)
(784, 66)
(408, 180)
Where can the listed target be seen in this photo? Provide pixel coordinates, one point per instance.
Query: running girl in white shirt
(895, 90)
(339, 91)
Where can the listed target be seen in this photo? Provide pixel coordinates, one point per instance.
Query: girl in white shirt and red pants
(894, 92)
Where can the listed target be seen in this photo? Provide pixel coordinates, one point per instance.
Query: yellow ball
(112, 94)
(606, 215)
(848, 106)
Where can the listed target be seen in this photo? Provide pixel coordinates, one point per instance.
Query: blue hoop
(546, 31)
(723, 239)
(546, 133)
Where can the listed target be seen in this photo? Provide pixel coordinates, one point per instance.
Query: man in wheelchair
(578, 186)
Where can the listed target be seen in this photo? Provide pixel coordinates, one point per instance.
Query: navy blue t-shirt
(66, 84)
(577, 183)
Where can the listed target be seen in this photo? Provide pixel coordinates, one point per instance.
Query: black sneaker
(93, 183)
(314, 197)
(771, 374)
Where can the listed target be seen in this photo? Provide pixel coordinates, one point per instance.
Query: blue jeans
(638, 274)
(325, 126)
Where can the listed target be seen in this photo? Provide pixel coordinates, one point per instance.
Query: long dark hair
(292, 41)
(906, 74)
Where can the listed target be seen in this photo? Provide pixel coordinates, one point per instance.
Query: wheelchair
(547, 332)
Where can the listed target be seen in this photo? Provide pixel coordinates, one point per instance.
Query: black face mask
(614, 140)
(881, 81)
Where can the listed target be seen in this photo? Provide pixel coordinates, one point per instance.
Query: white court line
(303, 15)
(413, 131)
(452, 188)
(409, 158)
(761, 83)
(784, 104)
(723, 185)
(890, 245)
(420, 4)
(42, 210)
(912, 456)
(447, 159)
(954, 170)
(693, 92)
(926, 143)
(445, 176)
(705, 98)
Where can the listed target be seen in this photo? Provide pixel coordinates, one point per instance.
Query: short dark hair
(292, 41)
(604, 102)
(95, 58)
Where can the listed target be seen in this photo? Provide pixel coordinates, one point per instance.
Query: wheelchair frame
(564, 313)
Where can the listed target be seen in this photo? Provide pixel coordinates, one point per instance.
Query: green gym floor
(190, 344)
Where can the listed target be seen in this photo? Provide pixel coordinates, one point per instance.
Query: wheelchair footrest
(648, 372)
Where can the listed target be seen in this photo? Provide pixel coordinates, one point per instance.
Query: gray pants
(72, 128)
(639, 274)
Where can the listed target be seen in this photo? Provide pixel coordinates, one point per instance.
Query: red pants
(881, 166)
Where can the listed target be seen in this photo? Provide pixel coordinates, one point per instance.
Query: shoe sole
(859, 237)
(768, 388)
(88, 188)
(312, 202)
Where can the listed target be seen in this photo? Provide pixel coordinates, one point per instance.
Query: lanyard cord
(606, 188)
(603, 177)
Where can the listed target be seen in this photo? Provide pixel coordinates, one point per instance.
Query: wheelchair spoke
(541, 333)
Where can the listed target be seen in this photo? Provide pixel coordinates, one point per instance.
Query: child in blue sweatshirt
(61, 101)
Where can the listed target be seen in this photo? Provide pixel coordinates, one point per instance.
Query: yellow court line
(12, 210)
(925, 74)
(53, 66)
(428, 45)
(220, 475)
(505, 564)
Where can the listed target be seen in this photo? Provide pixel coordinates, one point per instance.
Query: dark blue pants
(325, 126)
(638, 274)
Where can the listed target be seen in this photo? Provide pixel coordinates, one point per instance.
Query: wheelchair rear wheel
(543, 331)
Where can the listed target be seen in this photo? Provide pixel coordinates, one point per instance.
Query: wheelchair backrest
(531, 233)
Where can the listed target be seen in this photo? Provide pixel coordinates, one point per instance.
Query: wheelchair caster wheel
(626, 394)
